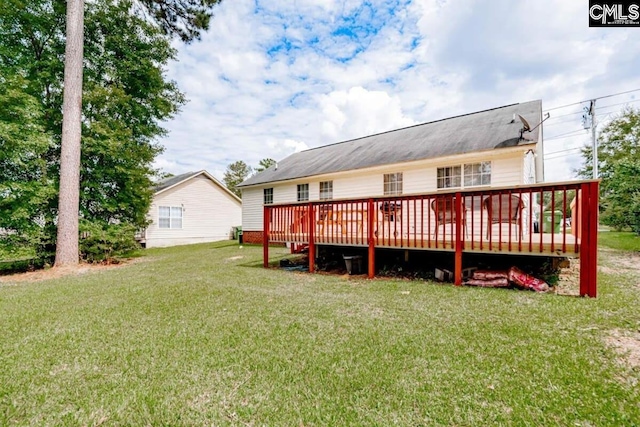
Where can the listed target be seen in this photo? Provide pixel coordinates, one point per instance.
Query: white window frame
(172, 221)
(483, 173)
(392, 184)
(267, 196)
(302, 194)
(461, 176)
(326, 190)
(449, 177)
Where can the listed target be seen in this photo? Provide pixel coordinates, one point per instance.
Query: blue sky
(273, 77)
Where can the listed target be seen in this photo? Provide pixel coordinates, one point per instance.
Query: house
(471, 184)
(483, 149)
(191, 208)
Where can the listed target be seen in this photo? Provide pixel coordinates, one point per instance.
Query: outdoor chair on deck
(445, 213)
(504, 209)
(326, 218)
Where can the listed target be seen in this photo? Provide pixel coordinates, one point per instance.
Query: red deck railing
(526, 220)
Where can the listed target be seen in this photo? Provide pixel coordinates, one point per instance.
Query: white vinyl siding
(252, 202)
(417, 177)
(208, 213)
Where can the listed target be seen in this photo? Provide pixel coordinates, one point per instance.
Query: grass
(621, 240)
(202, 335)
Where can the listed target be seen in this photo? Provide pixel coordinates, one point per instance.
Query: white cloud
(274, 77)
(359, 112)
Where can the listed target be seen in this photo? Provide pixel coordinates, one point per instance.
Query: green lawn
(625, 241)
(202, 335)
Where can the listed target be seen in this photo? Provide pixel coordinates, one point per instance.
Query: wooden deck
(526, 220)
(542, 244)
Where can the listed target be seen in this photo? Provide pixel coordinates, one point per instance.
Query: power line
(597, 108)
(620, 103)
(564, 134)
(587, 100)
(563, 151)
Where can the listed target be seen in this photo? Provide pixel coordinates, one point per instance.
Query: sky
(274, 77)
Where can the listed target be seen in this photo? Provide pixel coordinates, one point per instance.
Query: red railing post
(312, 244)
(459, 242)
(371, 239)
(265, 236)
(595, 205)
(589, 240)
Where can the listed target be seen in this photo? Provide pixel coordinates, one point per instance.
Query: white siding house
(191, 208)
(484, 149)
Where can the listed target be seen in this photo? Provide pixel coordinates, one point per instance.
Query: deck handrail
(519, 219)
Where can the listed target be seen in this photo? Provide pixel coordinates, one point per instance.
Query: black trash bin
(240, 238)
(353, 264)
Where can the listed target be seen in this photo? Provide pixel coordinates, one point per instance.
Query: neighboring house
(191, 208)
(483, 149)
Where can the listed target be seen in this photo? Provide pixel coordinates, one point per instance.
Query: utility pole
(589, 120)
(594, 140)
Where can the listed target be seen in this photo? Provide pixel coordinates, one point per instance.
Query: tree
(25, 187)
(236, 173)
(183, 18)
(69, 198)
(618, 165)
(265, 164)
(126, 97)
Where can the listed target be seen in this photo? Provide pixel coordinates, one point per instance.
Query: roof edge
(206, 174)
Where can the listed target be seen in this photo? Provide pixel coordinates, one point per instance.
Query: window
(392, 184)
(477, 174)
(170, 216)
(449, 177)
(303, 192)
(326, 190)
(268, 196)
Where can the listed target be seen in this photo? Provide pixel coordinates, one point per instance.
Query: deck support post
(265, 236)
(371, 239)
(312, 244)
(459, 226)
(589, 240)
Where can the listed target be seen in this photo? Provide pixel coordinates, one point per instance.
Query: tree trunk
(69, 198)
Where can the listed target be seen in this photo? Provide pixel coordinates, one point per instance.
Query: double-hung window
(393, 184)
(268, 196)
(170, 217)
(303, 192)
(449, 177)
(326, 190)
(477, 174)
(467, 175)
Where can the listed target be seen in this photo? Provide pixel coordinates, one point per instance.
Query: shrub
(107, 243)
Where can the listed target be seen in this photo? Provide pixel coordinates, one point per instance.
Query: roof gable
(171, 182)
(480, 131)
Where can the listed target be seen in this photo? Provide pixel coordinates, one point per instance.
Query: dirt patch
(627, 345)
(621, 262)
(569, 279)
(58, 272)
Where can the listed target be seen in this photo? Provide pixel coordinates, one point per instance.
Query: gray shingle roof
(480, 131)
(173, 180)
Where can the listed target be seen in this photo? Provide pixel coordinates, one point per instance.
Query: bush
(106, 242)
